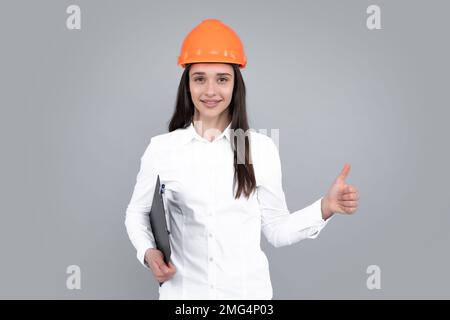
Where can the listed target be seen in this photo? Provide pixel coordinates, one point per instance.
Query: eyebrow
(219, 74)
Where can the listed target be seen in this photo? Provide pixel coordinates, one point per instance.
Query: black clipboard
(158, 222)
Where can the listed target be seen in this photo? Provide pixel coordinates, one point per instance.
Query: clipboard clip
(162, 191)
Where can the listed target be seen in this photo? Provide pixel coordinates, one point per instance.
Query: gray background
(78, 108)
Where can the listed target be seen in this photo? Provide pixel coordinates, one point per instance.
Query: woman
(223, 183)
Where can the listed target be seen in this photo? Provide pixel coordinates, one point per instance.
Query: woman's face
(211, 86)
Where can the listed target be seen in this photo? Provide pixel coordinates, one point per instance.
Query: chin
(210, 112)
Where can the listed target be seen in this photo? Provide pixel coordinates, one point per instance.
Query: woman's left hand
(341, 197)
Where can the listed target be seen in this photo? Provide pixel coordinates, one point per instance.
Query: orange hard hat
(212, 41)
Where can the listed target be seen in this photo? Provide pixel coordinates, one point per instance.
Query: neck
(210, 128)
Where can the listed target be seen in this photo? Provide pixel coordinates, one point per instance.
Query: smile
(211, 103)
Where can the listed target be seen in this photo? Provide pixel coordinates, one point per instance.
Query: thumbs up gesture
(341, 197)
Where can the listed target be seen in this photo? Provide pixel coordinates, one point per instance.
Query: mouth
(210, 103)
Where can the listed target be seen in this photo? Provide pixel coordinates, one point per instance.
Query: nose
(210, 89)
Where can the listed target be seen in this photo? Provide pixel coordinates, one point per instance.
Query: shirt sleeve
(137, 213)
(280, 227)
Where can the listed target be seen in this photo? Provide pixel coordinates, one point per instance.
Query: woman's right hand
(161, 271)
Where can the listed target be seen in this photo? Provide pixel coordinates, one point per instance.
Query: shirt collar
(191, 133)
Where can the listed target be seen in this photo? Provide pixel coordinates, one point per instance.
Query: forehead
(211, 68)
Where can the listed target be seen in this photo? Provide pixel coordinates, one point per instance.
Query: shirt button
(212, 286)
(210, 258)
(210, 235)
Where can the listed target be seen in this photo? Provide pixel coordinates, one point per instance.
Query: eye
(226, 79)
(199, 78)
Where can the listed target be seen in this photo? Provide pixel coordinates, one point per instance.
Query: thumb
(344, 173)
(159, 261)
(171, 266)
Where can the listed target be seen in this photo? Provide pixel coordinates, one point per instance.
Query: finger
(350, 189)
(164, 277)
(350, 210)
(350, 196)
(157, 270)
(165, 268)
(161, 265)
(171, 270)
(172, 267)
(355, 192)
(158, 274)
(349, 203)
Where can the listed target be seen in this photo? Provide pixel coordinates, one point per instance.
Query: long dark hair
(244, 174)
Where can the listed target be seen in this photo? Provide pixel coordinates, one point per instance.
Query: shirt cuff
(308, 216)
(308, 221)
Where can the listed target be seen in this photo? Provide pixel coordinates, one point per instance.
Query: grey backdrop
(78, 108)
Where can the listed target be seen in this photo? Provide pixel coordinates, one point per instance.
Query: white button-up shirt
(215, 238)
